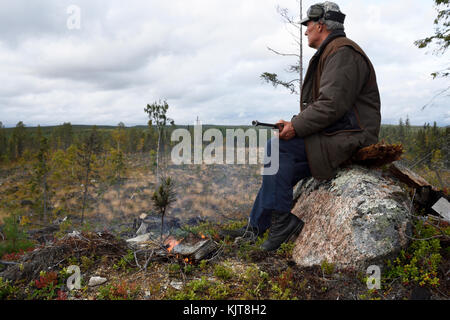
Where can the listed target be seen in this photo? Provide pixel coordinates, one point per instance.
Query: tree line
(23, 142)
(426, 148)
(429, 142)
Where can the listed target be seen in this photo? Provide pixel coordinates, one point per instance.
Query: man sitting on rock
(340, 113)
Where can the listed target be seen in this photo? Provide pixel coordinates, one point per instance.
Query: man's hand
(287, 131)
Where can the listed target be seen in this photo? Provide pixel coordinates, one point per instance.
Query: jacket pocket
(341, 146)
(348, 123)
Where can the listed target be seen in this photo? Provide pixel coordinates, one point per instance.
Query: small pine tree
(117, 171)
(86, 158)
(157, 113)
(163, 198)
(15, 236)
(39, 182)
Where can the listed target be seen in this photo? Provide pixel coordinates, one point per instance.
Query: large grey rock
(356, 219)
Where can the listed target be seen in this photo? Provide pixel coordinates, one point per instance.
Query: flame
(172, 242)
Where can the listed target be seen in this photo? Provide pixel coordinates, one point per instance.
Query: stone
(96, 281)
(140, 239)
(143, 216)
(357, 219)
(178, 285)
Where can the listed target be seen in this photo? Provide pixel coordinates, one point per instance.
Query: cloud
(204, 57)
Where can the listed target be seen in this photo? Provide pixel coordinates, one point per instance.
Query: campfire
(190, 250)
(171, 243)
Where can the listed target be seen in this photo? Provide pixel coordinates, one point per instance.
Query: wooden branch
(283, 54)
(437, 95)
(283, 12)
(9, 263)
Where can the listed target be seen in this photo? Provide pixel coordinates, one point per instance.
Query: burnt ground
(211, 198)
(236, 270)
(209, 192)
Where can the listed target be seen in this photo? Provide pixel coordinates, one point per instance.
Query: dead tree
(295, 68)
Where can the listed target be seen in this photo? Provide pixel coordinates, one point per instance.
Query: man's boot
(284, 226)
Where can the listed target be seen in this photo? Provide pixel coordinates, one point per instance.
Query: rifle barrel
(271, 125)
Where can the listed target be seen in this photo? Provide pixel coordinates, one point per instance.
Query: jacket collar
(315, 58)
(333, 35)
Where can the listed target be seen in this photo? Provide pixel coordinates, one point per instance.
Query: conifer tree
(86, 158)
(157, 112)
(3, 143)
(17, 142)
(163, 198)
(39, 182)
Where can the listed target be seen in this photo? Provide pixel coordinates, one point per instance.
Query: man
(340, 113)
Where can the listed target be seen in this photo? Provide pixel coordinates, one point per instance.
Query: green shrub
(86, 262)
(118, 291)
(223, 272)
(201, 289)
(16, 238)
(419, 263)
(203, 265)
(48, 286)
(285, 250)
(64, 228)
(327, 268)
(174, 268)
(7, 291)
(124, 262)
(188, 268)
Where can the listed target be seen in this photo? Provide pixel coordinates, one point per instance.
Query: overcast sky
(205, 57)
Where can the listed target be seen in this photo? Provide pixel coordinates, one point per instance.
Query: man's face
(313, 34)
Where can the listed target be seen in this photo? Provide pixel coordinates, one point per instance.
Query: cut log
(407, 176)
(197, 251)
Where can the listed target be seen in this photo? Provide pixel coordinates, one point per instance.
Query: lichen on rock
(353, 220)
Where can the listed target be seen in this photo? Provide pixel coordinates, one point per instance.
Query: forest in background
(63, 153)
(426, 147)
(56, 158)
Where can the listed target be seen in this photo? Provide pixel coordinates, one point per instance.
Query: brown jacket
(340, 110)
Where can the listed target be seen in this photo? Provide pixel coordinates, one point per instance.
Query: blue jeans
(276, 190)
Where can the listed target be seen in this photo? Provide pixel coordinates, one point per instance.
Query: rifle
(278, 126)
